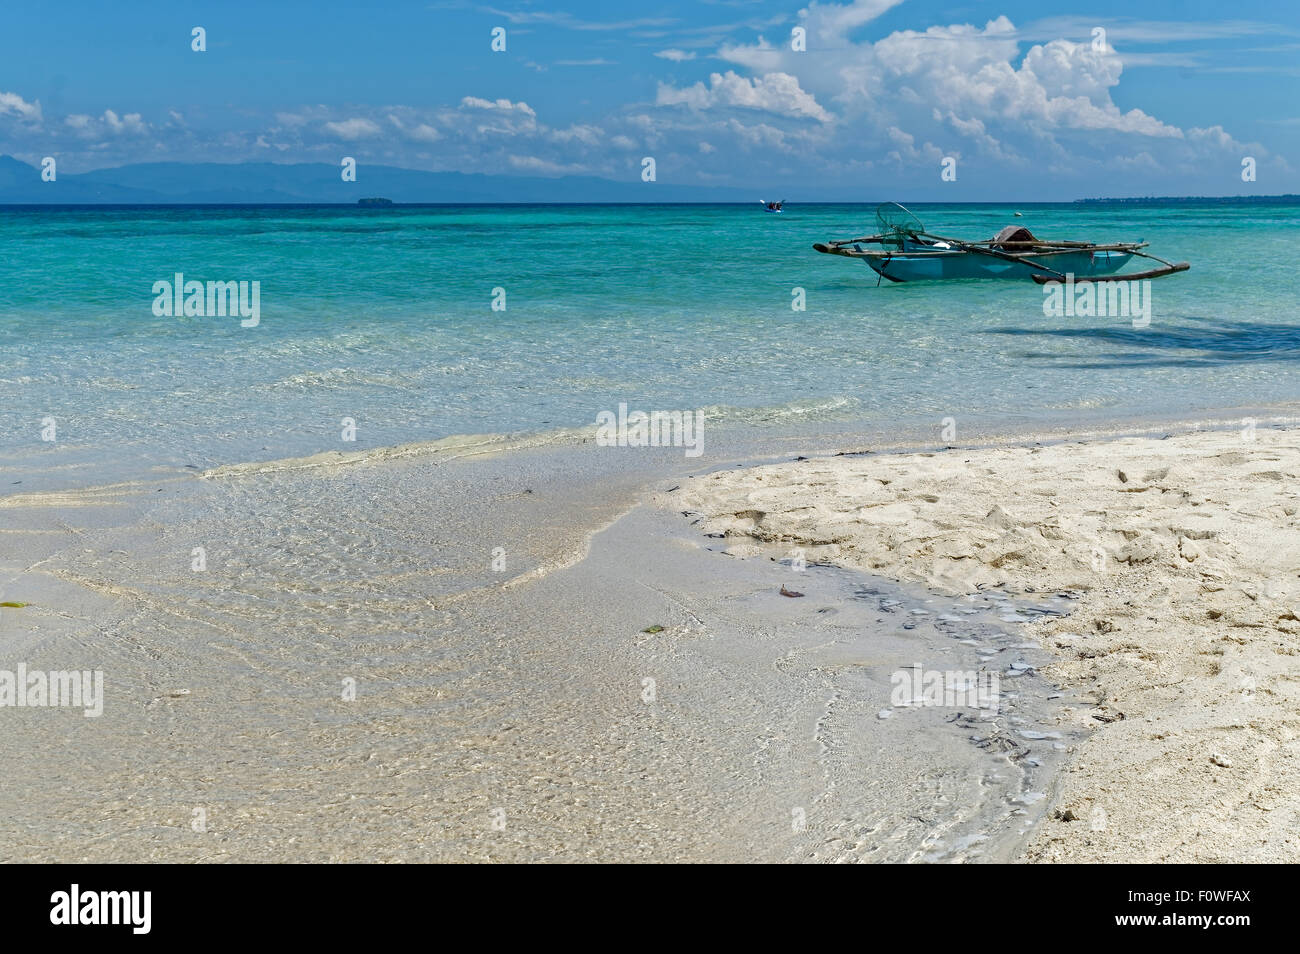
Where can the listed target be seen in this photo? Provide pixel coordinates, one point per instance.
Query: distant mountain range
(172, 183)
(261, 183)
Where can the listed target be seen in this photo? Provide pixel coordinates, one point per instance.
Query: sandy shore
(437, 653)
(520, 685)
(1185, 552)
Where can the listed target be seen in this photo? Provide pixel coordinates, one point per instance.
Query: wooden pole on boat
(868, 239)
(834, 248)
(1169, 269)
(978, 250)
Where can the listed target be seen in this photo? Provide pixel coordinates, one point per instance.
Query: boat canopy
(1012, 233)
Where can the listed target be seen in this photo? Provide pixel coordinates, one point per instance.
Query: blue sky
(1027, 98)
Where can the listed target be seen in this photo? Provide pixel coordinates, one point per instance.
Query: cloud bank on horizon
(866, 96)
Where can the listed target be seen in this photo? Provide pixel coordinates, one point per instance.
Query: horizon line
(397, 204)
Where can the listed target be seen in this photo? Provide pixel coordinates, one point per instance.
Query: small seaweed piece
(12, 605)
(653, 629)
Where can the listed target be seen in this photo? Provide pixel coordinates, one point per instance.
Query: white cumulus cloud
(778, 93)
(11, 104)
(353, 129)
(501, 105)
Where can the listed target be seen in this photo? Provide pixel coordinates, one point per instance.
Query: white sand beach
(1185, 552)
(632, 684)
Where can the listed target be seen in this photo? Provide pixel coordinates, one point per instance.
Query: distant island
(373, 202)
(1288, 199)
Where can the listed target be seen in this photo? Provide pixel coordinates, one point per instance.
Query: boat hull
(906, 266)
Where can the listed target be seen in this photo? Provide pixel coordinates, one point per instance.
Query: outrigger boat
(908, 253)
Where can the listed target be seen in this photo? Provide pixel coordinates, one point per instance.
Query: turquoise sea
(385, 317)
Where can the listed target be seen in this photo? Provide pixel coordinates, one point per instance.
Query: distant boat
(371, 203)
(909, 253)
(773, 206)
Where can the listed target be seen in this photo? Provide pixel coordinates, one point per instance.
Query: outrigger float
(908, 253)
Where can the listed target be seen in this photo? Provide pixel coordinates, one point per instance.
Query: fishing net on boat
(896, 222)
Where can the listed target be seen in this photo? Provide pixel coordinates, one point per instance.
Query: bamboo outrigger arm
(1006, 256)
(837, 248)
(1169, 269)
(837, 245)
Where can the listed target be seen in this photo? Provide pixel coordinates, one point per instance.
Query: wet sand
(494, 609)
(520, 714)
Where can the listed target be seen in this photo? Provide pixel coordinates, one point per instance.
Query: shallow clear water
(385, 317)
